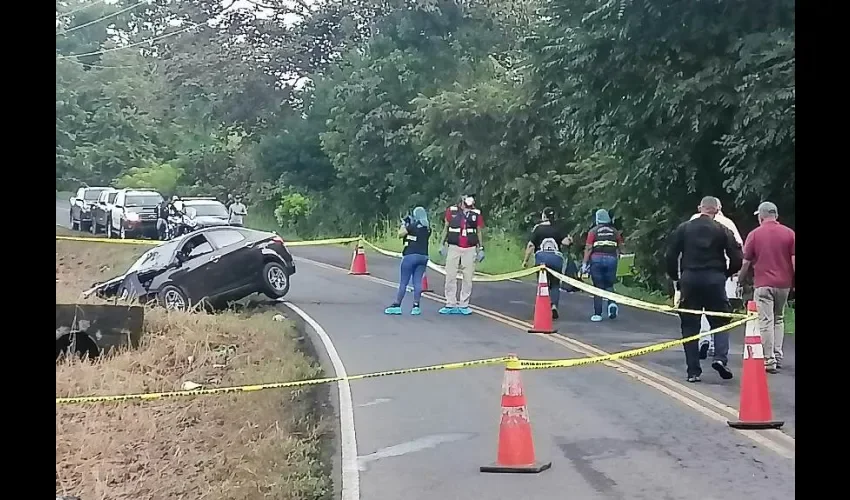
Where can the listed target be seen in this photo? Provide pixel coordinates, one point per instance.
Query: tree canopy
(341, 114)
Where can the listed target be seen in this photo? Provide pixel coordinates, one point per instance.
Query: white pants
(731, 292)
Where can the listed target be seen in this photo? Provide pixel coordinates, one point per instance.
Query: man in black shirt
(545, 241)
(698, 249)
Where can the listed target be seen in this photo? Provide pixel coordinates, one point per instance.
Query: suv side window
(225, 237)
(110, 198)
(197, 246)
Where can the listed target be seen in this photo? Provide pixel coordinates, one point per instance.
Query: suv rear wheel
(275, 280)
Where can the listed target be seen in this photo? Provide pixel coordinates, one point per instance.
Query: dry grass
(241, 446)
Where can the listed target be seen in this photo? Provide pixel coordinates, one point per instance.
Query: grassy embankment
(269, 444)
(503, 254)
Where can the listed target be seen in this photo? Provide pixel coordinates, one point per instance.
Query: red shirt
(591, 238)
(770, 248)
(463, 242)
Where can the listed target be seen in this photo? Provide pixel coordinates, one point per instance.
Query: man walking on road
(770, 250)
(706, 346)
(462, 247)
(698, 249)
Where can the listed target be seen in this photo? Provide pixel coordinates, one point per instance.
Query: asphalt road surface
(632, 432)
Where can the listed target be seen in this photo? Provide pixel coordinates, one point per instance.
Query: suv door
(197, 275)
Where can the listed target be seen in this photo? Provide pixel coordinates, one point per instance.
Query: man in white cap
(706, 347)
(770, 250)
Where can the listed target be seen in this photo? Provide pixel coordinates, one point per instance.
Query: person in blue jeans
(545, 241)
(415, 232)
(601, 254)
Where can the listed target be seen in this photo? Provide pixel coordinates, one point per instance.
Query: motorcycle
(178, 225)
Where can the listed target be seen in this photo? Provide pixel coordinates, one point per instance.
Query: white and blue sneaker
(613, 310)
(596, 318)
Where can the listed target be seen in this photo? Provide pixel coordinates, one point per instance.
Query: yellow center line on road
(774, 440)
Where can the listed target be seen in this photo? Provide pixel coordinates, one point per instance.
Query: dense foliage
(336, 115)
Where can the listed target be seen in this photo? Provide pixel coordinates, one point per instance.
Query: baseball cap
(767, 208)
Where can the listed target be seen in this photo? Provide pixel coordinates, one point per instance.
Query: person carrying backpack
(545, 242)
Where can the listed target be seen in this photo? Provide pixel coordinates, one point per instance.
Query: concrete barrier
(95, 330)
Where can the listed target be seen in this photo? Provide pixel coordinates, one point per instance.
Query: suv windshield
(92, 194)
(212, 209)
(154, 258)
(142, 200)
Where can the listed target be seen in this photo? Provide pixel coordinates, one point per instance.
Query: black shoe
(703, 350)
(554, 313)
(721, 368)
(693, 379)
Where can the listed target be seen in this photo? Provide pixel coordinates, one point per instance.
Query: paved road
(634, 328)
(607, 434)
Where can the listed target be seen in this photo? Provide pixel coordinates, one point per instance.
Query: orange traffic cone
(754, 411)
(425, 287)
(516, 446)
(542, 307)
(358, 262)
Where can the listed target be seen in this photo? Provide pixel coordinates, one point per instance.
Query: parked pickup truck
(133, 214)
(81, 206)
(100, 211)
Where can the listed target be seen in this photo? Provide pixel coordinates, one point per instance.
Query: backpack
(549, 245)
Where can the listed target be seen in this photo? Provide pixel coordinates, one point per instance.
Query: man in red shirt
(770, 250)
(463, 246)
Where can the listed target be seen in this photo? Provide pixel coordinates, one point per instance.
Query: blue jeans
(554, 262)
(412, 268)
(603, 273)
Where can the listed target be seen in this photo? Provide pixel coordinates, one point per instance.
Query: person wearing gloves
(545, 242)
(706, 347)
(601, 255)
(414, 232)
(463, 247)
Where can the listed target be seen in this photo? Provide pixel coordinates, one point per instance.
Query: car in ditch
(82, 203)
(212, 266)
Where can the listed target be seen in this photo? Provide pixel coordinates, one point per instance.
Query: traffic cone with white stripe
(358, 261)
(755, 410)
(516, 446)
(542, 307)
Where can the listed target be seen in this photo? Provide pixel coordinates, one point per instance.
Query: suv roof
(205, 201)
(141, 192)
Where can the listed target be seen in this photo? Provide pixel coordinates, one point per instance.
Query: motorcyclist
(175, 217)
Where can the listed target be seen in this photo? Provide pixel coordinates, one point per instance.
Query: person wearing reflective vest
(546, 240)
(601, 254)
(462, 247)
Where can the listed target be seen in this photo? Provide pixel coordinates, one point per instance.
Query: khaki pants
(465, 259)
(770, 303)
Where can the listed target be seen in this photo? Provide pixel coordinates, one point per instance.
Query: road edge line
(348, 438)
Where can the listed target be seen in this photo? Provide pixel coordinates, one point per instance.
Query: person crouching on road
(706, 346)
(601, 256)
(545, 241)
(699, 249)
(415, 232)
(462, 247)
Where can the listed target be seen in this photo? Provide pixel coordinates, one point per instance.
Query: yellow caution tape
(331, 241)
(622, 299)
(510, 362)
(278, 385)
(566, 363)
(107, 240)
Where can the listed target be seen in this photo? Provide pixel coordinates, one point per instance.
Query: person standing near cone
(545, 242)
(706, 347)
(415, 232)
(697, 263)
(463, 247)
(771, 251)
(601, 257)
